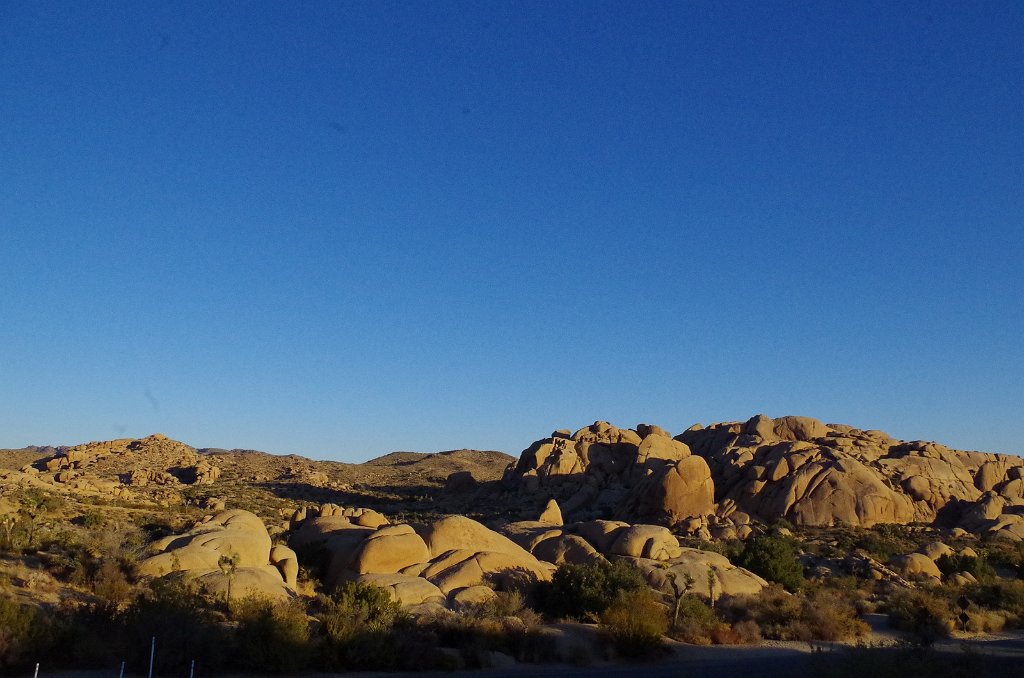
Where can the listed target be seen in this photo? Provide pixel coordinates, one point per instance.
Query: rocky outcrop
(652, 548)
(417, 563)
(229, 551)
(602, 471)
(816, 474)
(710, 575)
(154, 467)
(714, 482)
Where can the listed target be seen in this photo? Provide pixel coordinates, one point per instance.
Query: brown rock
(389, 550)
(551, 515)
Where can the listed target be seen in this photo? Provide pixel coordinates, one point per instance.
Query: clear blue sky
(341, 229)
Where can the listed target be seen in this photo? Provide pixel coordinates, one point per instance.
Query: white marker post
(37, 670)
(121, 674)
(192, 669)
(152, 652)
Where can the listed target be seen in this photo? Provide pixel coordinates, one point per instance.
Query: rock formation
(253, 565)
(154, 467)
(432, 563)
(652, 548)
(713, 481)
(816, 474)
(602, 471)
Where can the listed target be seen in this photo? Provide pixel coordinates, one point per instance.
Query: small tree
(229, 566)
(34, 503)
(774, 558)
(586, 590)
(678, 594)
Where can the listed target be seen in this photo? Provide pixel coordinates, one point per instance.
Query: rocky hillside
(716, 479)
(161, 471)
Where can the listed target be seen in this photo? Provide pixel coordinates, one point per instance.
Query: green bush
(357, 623)
(272, 638)
(696, 621)
(774, 558)
(1007, 555)
(584, 591)
(184, 622)
(922, 613)
(977, 566)
(19, 632)
(635, 622)
(1002, 595)
(356, 608)
(884, 541)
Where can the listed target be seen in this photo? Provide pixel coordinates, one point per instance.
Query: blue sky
(342, 229)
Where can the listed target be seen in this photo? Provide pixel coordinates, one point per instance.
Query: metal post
(192, 669)
(37, 670)
(121, 674)
(152, 652)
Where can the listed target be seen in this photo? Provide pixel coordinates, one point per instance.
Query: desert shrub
(110, 582)
(696, 621)
(977, 566)
(747, 632)
(920, 612)
(584, 591)
(1003, 595)
(358, 623)
(820, 614)
(90, 520)
(510, 603)
(89, 636)
(774, 558)
(474, 633)
(884, 541)
(986, 621)
(33, 504)
(184, 622)
(776, 613)
(13, 533)
(1006, 555)
(831, 616)
(355, 608)
(19, 632)
(635, 622)
(271, 638)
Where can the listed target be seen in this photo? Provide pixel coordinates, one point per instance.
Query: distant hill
(17, 458)
(162, 471)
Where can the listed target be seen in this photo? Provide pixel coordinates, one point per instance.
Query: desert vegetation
(252, 569)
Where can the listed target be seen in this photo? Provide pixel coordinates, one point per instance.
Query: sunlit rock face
(713, 480)
(602, 471)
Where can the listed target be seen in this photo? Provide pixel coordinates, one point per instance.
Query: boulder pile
(228, 551)
(603, 471)
(713, 481)
(155, 462)
(448, 561)
(652, 548)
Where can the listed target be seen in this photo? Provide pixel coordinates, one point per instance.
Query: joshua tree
(678, 593)
(712, 582)
(33, 503)
(229, 565)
